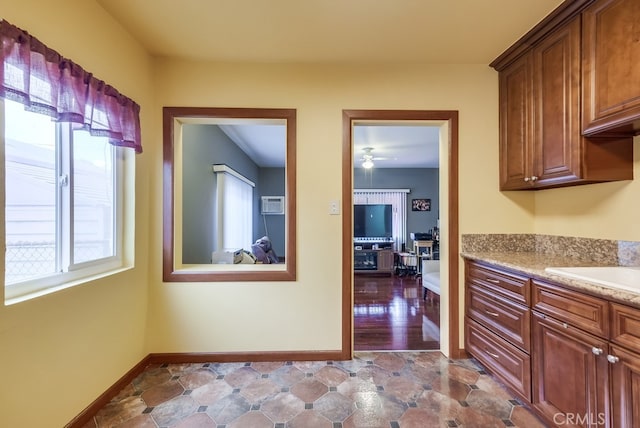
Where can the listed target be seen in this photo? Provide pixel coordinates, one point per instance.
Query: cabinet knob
(596, 351)
(534, 178)
(612, 359)
(526, 179)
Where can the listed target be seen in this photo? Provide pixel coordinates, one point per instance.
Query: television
(372, 221)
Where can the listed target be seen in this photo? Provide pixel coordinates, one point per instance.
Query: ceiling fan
(368, 158)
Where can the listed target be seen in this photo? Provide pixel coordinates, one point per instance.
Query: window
(63, 207)
(64, 132)
(234, 200)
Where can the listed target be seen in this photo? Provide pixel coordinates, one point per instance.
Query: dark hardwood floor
(391, 315)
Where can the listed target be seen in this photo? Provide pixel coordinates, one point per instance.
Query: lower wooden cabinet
(574, 357)
(625, 387)
(570, 377)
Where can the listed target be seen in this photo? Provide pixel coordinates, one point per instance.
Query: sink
(618, 277)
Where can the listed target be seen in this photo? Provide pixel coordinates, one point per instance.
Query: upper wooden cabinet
(541, 140)
(611, 67)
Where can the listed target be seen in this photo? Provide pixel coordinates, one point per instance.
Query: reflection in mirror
(229, 194)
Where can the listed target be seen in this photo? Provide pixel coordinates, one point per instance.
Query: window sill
(18, 297)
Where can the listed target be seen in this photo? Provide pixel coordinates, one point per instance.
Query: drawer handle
(493, 314)
(596, 351)
(496, 356)
(493, 281)
(612, 359)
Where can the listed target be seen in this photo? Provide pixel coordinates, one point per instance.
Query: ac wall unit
(273, 205)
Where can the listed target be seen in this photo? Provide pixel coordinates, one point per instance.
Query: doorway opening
(446, 123)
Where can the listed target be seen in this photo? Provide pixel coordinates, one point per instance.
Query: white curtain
(397, 198)
(234, 200)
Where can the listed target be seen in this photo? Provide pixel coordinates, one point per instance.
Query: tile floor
(373, 390)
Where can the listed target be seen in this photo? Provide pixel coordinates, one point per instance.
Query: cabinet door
(611, 66)
(570, 375)
(515, 124)
(556, 96)
(625, 388)
(385, 260)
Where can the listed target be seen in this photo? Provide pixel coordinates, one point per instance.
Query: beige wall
(60, 352)
(606, 210)
(305, 315)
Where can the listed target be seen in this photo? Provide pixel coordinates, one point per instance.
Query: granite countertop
(533, 264)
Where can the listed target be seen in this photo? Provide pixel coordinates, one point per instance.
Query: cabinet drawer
(502, 359)
(625, 326)
(509, 285)
(580, 310)
(508, 320)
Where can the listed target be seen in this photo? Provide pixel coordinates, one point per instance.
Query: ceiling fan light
(367, 164)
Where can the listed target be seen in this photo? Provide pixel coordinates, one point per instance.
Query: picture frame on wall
(421, 205)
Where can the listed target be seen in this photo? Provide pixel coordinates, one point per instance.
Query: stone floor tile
(259, 390)
(521, 417)
(251, 419)
(331, 376)
(462, 374)
(309, 419)
(266, 366)
(334, 406)
(140, 421)
(392, 407)
(173, 411)
(158, 394)
(228, 409)
(375, 374)
(451, 387)
(309, 390)
(309, 366)
(421, 418)
(485, 402)
(403, 388)
(363, 418)
(211, 392)
(117, 412)
(287, 375)
(241, 377)
(356, 390)
(486, 383)
(282, 407)
(226, 368)
(152, 377)
(197, 378)
(441, 404)
(390, 361)
(469, 417)
(197, 420)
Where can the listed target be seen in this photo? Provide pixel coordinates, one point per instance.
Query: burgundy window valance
(45, 82)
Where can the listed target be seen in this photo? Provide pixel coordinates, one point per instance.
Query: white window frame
(74, 273)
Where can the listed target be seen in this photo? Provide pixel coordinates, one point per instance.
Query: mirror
(229, 179)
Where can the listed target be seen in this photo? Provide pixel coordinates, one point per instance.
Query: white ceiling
(398, 145)
(335, 31)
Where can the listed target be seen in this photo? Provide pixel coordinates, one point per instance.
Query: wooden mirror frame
(172, 118)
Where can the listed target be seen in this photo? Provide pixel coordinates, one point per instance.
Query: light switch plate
(334, 207)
